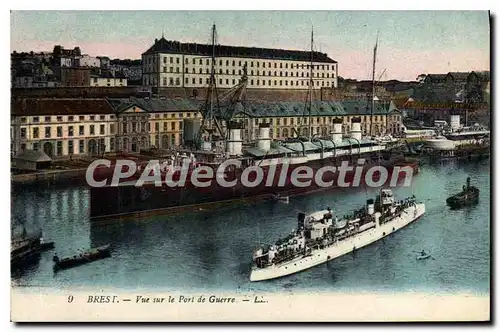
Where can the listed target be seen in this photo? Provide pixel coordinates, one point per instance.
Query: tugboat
(468, 196)
(83, 258)
(320, 237)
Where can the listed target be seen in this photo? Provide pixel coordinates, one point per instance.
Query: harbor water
(211, 250)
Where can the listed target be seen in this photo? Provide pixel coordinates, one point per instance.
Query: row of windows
(251, 73)
(250, 82)
(314, 120)
(81, 146)
(132, 127)
(240, 63)
(36, 119)
(71, 131)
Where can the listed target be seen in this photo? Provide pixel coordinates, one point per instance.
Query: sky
(410, 42)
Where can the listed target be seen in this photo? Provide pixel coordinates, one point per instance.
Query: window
(81, 118)
(47, 119)
(59, 148)
(36, 132)
(102, 117)
(81, 146)
(23, 132)
(177, 81)
(112, 128)
(177, 70)
(47, 132)
(171, 60)
(92, 132)
(101, 129)
(70, 118)
(35, 146)
(92, 118)
(70, 131)
(36, 119)
(172, 125)
(194, 80)
(112, 142)
(70, 147)
(171, 69)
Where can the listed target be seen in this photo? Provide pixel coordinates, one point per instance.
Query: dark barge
(83, 258)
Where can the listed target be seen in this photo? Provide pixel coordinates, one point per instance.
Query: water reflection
(212, 249)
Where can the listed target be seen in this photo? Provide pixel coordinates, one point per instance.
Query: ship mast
(310, 85)
(211, 106)
(373, 85)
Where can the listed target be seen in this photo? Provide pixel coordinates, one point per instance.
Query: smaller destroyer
(468, 196)
(321, 237)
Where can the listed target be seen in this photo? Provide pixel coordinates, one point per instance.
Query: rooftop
(167, 46)
(61, 106)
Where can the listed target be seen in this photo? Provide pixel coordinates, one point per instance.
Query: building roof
(482, 75)
(154, 105)
(61, 106)
(167, 46)
(461, 76)
(33, 156)
(436, 78)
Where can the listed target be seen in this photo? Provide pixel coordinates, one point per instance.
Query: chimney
(234, 144)
(356, 128)
(337, 131)
(264, 141)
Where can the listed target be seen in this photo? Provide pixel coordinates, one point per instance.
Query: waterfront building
(62, 128)
(158, 121)
(188, 65)
(291, 119)
(81, 127)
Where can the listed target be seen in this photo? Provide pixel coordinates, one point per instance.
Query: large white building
(175, 64)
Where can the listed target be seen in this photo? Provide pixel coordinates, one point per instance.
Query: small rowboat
(423, 256)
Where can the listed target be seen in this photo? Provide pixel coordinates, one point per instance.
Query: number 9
(70, 298)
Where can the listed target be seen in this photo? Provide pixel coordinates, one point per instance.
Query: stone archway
(92, 147)
(48, 149)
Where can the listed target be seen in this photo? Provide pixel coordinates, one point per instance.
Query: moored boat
(82, 258)
(321, 237)
(468, 196)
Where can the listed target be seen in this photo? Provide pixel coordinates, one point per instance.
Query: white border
(194, 5)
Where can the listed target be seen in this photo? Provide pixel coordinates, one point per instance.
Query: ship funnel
(370, 207)
(356, 128)
(455, 121)
(264, 141)
(337, 131)
(301, 220)
(234, 144)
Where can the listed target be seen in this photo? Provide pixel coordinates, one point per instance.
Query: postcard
(250, 166)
